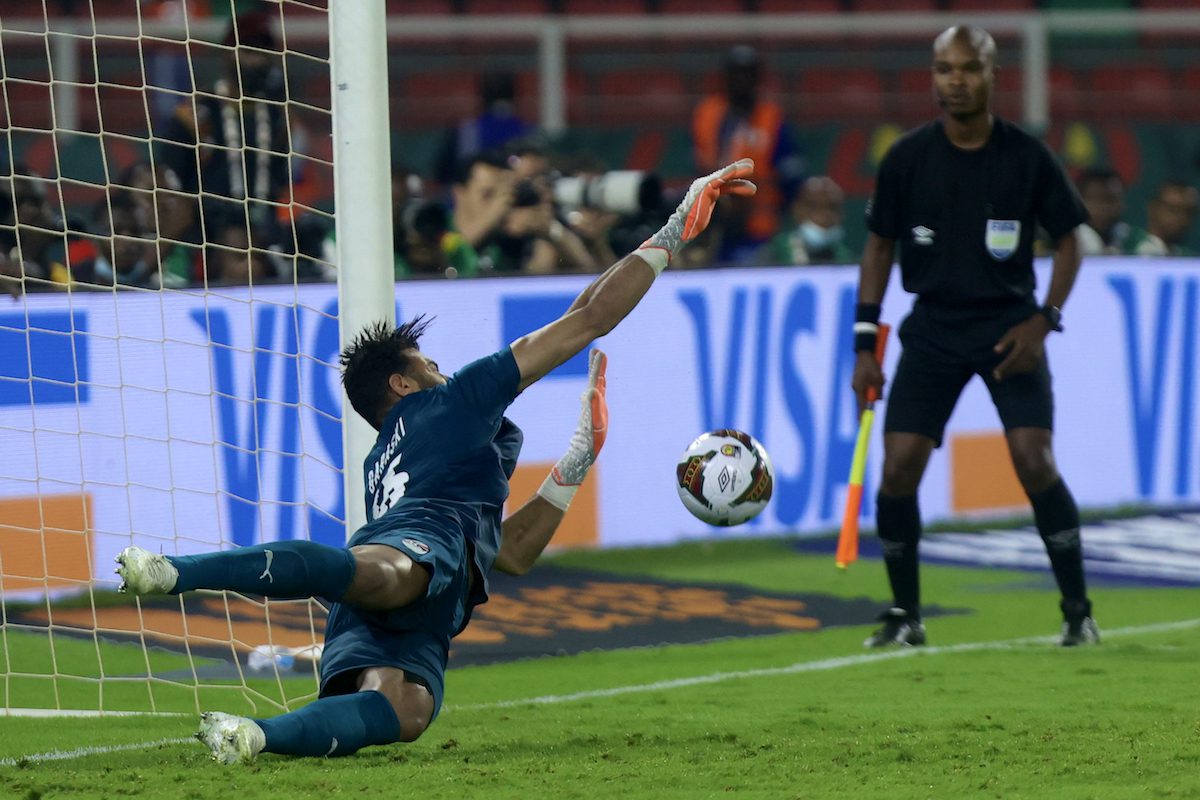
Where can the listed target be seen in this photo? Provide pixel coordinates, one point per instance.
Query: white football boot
(143, 572)
(231, 739)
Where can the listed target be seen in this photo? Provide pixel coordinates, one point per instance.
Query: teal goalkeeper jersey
(444, 456)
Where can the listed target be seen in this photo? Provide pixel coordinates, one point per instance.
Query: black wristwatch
(1053, 315)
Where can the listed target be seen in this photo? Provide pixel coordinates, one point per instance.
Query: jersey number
(390, 488)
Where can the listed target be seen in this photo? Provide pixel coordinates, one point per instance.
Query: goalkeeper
(436, 481)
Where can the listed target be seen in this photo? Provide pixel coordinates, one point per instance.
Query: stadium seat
(114, 8)
(630, 97)
(604, 6)
(412, 7)
(914, 94)
(893, 5)
(800, 6)
(1131, 91)
(1086, 5)
(506, 6)
(836, 94)
(1066, 96)
(1189, 94)
(436, 99)
(529, 101)
(702, 6)
(991, 5)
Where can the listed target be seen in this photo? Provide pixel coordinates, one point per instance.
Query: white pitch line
(815, 666)
(678, 683)
(68, 712)
(80, 752)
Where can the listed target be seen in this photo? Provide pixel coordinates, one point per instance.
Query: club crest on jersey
(1002, 237)
(923, 236)
(420, 548)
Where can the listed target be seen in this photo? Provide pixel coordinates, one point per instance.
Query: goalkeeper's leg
(386, 708)
(374, 577)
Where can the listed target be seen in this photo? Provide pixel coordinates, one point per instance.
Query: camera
(620, 191)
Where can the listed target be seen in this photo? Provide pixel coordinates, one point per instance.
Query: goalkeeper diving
(436, 481)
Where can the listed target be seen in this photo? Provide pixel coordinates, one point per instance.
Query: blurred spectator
(1103, 194)
(496, 125)
(1169, 217)
(239, 143)
(119, 251)
(484, 191)
(430, 248)
(173, 215)
(511, 224)
(741, 124)
(32, 233)
(816, 235)
(232, 261)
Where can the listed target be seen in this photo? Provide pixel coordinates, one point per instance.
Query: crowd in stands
(213, 209)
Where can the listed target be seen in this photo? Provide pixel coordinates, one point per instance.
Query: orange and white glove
(563, 481)
(695, 212)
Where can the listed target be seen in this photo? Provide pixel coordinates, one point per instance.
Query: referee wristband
(866, 326)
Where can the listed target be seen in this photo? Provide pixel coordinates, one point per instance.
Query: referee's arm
(876, 268)
(1067, 258)
(873, 275)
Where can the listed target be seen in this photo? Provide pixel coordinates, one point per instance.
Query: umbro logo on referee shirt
(923, 235)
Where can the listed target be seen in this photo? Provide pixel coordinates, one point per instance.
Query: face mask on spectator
(819, 238)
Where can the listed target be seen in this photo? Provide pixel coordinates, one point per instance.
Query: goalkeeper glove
(563, 481)
(695, 212)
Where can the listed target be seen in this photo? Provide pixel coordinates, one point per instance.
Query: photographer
(511, 223)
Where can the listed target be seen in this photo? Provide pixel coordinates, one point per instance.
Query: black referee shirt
(965, 220)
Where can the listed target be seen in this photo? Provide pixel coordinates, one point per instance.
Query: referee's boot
(898, 629)
(1078, 626)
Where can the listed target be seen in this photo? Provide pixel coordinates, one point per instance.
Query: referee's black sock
(1057, 519)
(899, 524)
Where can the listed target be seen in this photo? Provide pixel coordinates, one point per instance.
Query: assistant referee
(963, 196)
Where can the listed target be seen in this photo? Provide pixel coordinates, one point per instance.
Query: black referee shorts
(941, 353)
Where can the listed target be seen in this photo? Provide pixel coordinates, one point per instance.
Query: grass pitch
(784, 716)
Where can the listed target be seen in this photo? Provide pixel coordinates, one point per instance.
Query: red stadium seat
(436, 99)
(834, 94)
(529, 101)
(894, 5)
(992, 5)
(506, 6)
(1189, 93)
(645, 97)
(1131, 91)
(413, 7)
(800, 6)
(604, 6)
(1066, 95)
(702, 6)
(914, 95)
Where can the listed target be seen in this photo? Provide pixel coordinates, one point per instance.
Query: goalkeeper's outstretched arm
(530, 528)
(615, 293)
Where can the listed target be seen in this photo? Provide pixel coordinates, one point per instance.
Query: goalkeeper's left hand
(695, 212)
(561, 484)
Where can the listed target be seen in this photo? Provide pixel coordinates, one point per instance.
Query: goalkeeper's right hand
(590, 432)
(695, 212)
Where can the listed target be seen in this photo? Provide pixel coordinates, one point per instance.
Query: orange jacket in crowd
(721, 138)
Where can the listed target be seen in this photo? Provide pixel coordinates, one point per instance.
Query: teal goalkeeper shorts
(415, 638)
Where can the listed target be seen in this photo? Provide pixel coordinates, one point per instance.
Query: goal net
(168, 343)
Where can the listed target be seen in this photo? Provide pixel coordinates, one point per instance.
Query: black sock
(1057, 520)
(899, 524)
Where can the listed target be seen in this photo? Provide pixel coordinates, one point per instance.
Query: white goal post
(168, 354)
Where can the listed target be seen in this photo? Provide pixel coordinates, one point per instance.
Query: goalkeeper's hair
(374, 356)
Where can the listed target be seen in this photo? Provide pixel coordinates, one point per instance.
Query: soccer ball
(725, 477)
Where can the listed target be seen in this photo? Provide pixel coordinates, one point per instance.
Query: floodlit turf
(1025, 721)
